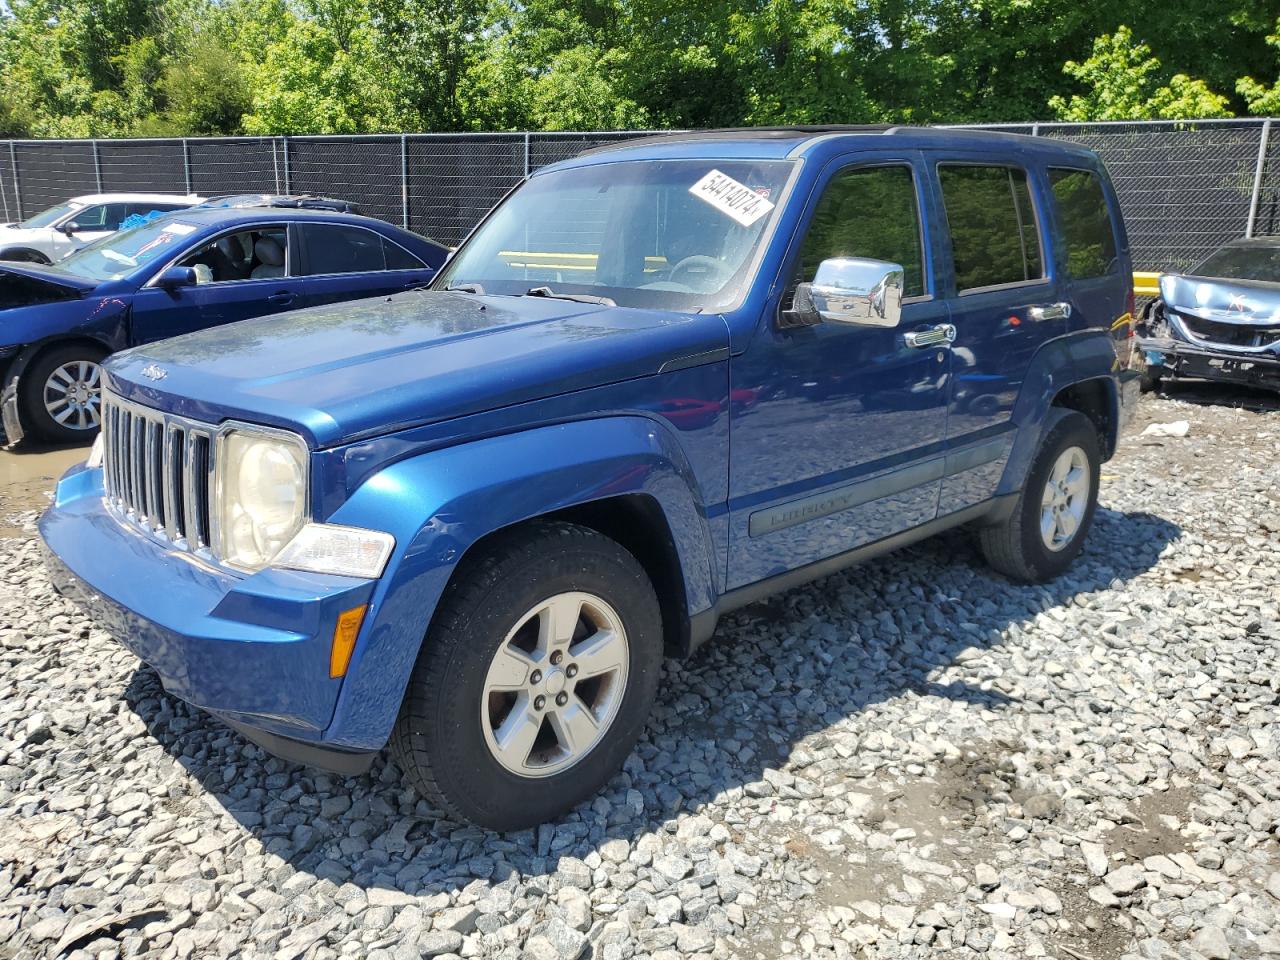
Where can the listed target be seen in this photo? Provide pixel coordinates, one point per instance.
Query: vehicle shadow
(798, 665)
(1210, 393)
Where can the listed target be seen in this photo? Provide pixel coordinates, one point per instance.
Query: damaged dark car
(1218, 321)
(176, 274)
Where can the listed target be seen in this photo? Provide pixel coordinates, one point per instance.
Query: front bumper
(1177, 358)
(252, 650)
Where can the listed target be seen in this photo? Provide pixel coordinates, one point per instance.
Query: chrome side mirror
(854, 290)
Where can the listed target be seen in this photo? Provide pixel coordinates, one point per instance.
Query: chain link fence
(1185, 186)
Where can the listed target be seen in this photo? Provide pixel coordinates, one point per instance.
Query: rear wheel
(1046, 530)
(61, 393)
(535, 679)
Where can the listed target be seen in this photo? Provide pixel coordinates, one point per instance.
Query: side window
(91, 218)
(149, 209)
(1087, 233)
(398, 258)
(869, 212)
(994, 235)
(112, 215)
(248, 255)
(334, 248)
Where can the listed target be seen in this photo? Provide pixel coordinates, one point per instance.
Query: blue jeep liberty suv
(657, 382)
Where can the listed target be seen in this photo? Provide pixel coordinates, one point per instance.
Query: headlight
(262, 495)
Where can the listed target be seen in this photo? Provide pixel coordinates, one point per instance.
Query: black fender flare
(7, 254)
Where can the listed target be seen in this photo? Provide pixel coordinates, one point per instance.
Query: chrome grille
(158, 471)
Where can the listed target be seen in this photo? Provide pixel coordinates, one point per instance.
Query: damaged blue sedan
(1219, 321)
(182, 272)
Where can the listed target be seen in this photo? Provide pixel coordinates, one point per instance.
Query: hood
(353, 370)
(47, 274)
(1222, 301)
(24, 286)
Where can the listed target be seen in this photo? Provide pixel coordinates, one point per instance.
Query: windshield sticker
(731, 198)
(181, 229)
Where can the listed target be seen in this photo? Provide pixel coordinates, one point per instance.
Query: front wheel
(535, 679)
(61, 393)
(1046, 530)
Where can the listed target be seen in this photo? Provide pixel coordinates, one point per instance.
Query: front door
(239, 276)
(837, 435)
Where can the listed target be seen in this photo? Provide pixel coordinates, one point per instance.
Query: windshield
(1242, 263)
(662, 234)
(52, 215)
(119, 254)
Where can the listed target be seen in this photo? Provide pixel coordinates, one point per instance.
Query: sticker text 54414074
(732, 198)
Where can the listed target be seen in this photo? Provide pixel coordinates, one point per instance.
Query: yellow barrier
(1146, 284)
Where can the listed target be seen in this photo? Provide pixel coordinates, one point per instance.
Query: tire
(1018, 547)
(39, 391)
(1149, 379)
(447, 736)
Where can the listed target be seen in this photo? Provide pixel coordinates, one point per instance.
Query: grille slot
(1230, 334)
(158, 471)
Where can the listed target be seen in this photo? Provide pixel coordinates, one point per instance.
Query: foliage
(173, 67)
(1122, 82)
(1262, 99)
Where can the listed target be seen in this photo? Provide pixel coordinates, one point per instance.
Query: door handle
(944, 334)
(1050, 311)
(281, 299)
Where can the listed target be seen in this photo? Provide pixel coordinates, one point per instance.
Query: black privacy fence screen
(1186, 186)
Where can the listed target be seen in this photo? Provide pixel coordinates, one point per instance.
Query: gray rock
(439, 942)
(1211, 942)
(1125, 880)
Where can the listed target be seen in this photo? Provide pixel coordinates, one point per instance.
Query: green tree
(328, 73)
(1123, 81)
(1263, 100)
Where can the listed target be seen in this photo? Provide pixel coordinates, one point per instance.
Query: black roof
(795, 132)
(801, 132)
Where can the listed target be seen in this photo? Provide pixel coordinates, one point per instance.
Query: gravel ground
(910, 759)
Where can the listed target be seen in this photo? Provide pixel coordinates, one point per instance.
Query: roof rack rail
(299, 201)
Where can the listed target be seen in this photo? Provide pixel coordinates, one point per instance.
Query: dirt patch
(1094, 934)
(27, 478)
(1149, 836)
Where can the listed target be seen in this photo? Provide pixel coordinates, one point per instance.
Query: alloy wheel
(1065, 499)
(555, 684)
(73, 395)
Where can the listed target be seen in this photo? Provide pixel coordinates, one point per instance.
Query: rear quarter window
(1088, 236)
(995, 238)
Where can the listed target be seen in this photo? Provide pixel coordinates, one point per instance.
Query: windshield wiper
(575, 297)
(466, 288)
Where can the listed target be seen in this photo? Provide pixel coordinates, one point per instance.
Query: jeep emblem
(154, 372)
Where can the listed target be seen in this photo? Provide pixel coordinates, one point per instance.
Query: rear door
(1090, 252)
(1005, 304)
(343, 261)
